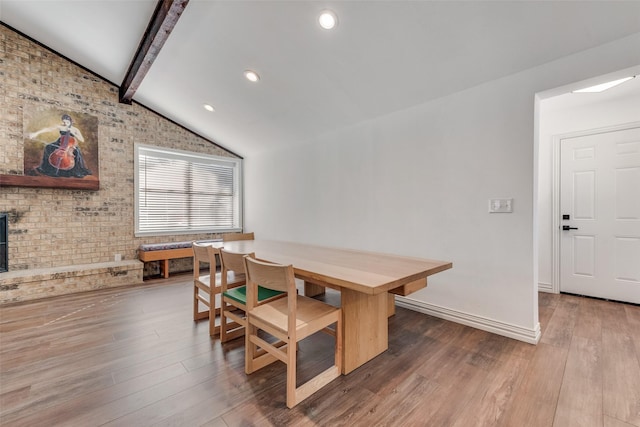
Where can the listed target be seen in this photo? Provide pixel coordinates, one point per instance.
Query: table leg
(391, 304)
(366, 329)
(311, 289)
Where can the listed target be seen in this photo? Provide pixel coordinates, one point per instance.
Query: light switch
(500, 205)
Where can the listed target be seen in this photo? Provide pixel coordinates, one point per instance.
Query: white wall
(417, 182)
(561, 115)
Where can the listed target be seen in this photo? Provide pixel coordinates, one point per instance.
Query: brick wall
(59, 227)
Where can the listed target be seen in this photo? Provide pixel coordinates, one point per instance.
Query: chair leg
(292, 398)
(195, 302)
(214, 312)
(212, 321)
(249, 349)
(223, 321)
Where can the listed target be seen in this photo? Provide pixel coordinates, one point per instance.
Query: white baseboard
(531, 336)
(545, 287)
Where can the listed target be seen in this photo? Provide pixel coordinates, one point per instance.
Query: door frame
(555, 193)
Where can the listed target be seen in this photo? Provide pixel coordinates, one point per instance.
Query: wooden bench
(165, 251)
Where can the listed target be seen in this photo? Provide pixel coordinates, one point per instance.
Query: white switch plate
(500, 205)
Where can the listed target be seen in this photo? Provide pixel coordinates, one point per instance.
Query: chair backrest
(277, 277)
(231, 261)
(232, 237)
(203, 253)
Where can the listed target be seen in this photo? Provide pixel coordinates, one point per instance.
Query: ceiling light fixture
(328, 19)
(209, 107)
(603, 86)
(252, 76)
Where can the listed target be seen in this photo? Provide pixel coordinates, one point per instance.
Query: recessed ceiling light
(328, 19)
(209, 107)
(603, 86)
(252, 76)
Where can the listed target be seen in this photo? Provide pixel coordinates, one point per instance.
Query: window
(178, 192)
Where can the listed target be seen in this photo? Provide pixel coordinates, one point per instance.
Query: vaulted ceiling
(382, 57)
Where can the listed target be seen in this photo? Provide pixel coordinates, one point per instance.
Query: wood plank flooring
(134, 357)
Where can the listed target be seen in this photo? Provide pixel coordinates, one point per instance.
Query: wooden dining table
(367, 282)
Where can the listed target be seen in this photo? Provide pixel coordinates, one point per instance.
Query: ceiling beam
(162, 22)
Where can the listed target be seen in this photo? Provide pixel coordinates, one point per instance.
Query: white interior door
(600, 193)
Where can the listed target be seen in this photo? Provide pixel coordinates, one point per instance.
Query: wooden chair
(208, 287)
(289, 319)
(232, 237)
(234, 300)
(204, 289)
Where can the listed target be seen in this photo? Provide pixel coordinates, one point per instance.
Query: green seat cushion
(239, 294)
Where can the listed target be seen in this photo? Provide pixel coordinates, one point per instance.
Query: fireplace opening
(4, 242)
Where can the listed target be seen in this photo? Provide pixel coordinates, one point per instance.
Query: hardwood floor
(134, 357)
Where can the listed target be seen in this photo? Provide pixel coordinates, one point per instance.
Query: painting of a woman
(63, 157)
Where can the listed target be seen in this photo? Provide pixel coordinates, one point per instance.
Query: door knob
(566, 227)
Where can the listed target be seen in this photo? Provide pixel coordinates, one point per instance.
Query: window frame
(163, 152)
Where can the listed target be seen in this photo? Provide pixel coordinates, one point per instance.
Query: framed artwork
(60, 150)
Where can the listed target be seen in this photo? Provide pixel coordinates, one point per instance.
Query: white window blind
(179, 192)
